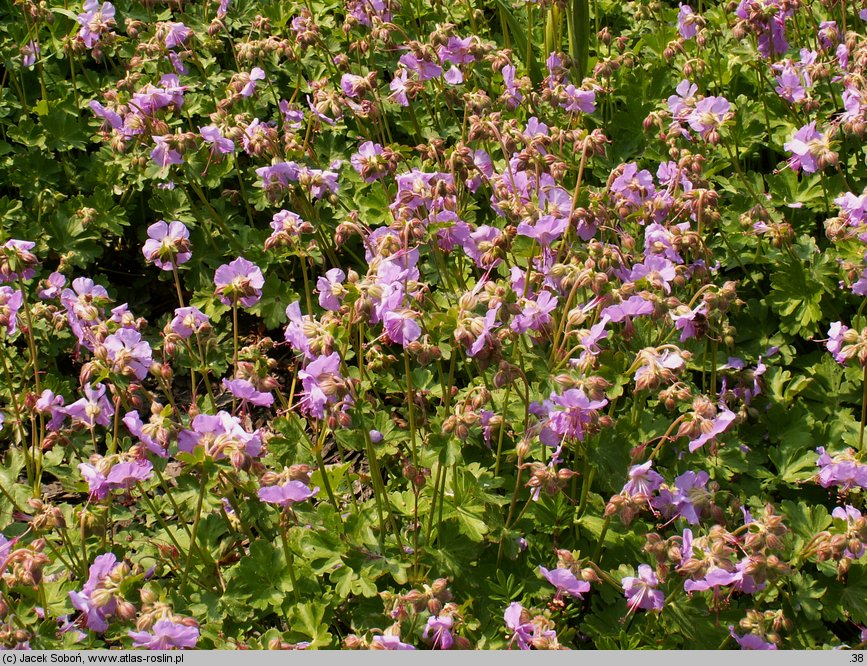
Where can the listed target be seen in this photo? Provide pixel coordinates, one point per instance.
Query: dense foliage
(390, 324)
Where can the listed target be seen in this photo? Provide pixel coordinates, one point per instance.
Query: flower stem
(290, 563)
(863, 410)
(202, 488)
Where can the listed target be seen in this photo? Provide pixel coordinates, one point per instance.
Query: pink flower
(331, 290)
(287, 494)
(565, 581)
(810, 150)
(164, 155)
(168, 245)
(239, 281)
(256, 74)
(166, 635)
(641, 591)
(11, 301)
(219, 144)
(246, 391)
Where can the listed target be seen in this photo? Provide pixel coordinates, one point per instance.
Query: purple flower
(689, 322)
(686, 22)
(399, 87)
(635, 306)
(836, 341)
(11, 301)
(29, 54)
(536, 314)
(364, 11)
(458, 50)
(388, 642)
(109, 117)
(751, 641)
(219, 144)
(297, 329)
(485, 335)
(239, 281)
(633, 186)
(52, 286)
(247, 392)
(166, 635)
(17, 261)
(331, 289)
(121, 476)
(569, 415)
(287, 494)
(523, 630)
(401, 326)
(685, 499)
(176, 34)
(164, 155)
(642, 480)
(318, 181)
(94, 409)
(322, 384)
(97, 614)
(424, 68)
(293, 117)
(453, 76)
(789, 86)
(94, 21)
(843, 470)
(718, 425)
(576, 99)
(83, 303)
(565, 581)
(136, 427)
(657, 271)
(641, 591)
(808, 147)
(354, 85)
(168, 245)
(511, 95)
(51, 405)
(708, 115)
(188, 321)
(683, 102)
(220, 435)
(547, 229)
(441, 628)
(849, 514)
(126, 474)
(128, 353)
(368, 163)
(256, 74)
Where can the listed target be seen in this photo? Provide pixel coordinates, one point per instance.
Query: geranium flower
(11, 301)
(168, 244)
(166, 635)
(239, 281)
(287, 494)
(641, 590)
(247, 392)
(565, 582)
(188, 321)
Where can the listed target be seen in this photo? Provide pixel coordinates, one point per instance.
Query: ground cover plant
(386, 324)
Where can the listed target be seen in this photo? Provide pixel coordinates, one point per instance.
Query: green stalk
(578, 25)
(195, 532)
(290, 563)
(319, 461)
(410, 398)
(863, 410)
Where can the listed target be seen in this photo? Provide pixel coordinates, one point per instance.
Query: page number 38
(857, 658)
